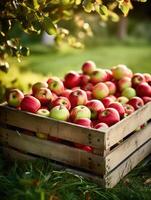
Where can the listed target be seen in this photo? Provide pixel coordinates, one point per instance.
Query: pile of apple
(94, 98)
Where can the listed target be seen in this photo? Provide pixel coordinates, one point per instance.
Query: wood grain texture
(60, 129)
(55, 151)
(124, 168)
(123, 150)
(123, 128)
(16, 155)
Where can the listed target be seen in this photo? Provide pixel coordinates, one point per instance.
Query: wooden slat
(114, 177)
(118, 131)
(122, 151)
(60, 129)
(16, 155)
(55, 151)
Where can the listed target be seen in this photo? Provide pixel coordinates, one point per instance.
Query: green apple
(14, 98)
(129, 92)
(59, 112)
(122, 100)
(43, 112)
(42, 135)
(100, 91)
(80, 112)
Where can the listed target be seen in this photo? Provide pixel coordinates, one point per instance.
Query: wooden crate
(116, 151)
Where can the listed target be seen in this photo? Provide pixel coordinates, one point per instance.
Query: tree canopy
(35, 16)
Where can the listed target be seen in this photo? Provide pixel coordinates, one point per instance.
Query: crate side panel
(123, 128)
(16, 155)
(63, 130)
(55, 151)
(124, 168)
(124, 149)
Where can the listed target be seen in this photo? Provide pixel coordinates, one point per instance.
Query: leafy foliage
(35, 16)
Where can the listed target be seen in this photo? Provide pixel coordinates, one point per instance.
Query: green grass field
(57, 62)
(38, 181)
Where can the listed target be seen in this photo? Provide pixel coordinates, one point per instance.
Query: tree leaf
(88, 6)
(103, 10)
(125, 6)
(4, 66)
(48, 26)
(24, 51)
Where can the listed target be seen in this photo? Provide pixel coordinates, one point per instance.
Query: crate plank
(118, 131)
(14, 154)
(60, 129)
(54, 151)
(123, 150)
(117, 174)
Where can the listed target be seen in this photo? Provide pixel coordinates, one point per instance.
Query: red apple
(101, 126)
(147, 77)
(119, 107)
(122, 100)
(137, 79)
(54, 96)
(121, 71)
(66, 93)
(84, 79)
(128, 109)
(55, 85)
(83, 122)
(109, 75)
(38, 85)
(89, 95)
(136, 102)
(146, 99)
(143, 89)
(30, 104)
(72, 79)
(79, 112)
(100, 91)
(111, 86)
(44, 95)
(109, 116)
(87, 87)
(54, 139)
(83, 147)
(78, 97)
(61, 101)
(95, 107)
(124, 82)
(107, 101)
(88, 67)
(14, 97)
(98, 75)
(59, 113)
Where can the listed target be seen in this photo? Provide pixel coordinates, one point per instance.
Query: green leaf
(77, 2)
(88, 6)
(125, 6)
(24, 51)
(103, 10)
(35, 4)
(48, 26)
(4, 66)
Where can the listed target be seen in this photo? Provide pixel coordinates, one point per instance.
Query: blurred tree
(34, 16)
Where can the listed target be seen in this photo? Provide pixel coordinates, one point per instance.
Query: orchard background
(82, 30)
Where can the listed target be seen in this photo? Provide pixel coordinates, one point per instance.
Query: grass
(51, 61)
(38, 180)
